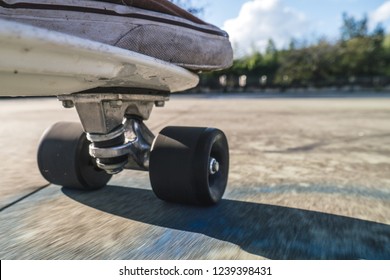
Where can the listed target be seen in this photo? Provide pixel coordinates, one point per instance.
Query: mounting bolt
(67, 104)
(159, 103)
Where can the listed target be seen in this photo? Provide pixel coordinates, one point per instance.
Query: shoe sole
(166, 37)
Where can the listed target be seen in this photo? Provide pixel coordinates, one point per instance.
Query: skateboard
(114, 92)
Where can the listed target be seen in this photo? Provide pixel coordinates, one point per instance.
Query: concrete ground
(309, 179)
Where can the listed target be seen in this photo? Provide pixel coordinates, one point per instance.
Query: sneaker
(155, 28)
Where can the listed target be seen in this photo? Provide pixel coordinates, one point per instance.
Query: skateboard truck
(132, 152)
(114, 126)
(186, 164)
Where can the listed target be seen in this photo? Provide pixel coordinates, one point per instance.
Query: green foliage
(386, 42)
(303, 66)
(359, 55)
(353, 28)
(386, 55)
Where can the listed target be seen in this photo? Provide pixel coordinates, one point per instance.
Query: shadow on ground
(270, 231)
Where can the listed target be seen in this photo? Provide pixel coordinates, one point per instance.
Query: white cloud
(382, 14)
(261, 20)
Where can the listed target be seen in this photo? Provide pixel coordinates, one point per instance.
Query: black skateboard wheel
(189, 165)
(63, 158)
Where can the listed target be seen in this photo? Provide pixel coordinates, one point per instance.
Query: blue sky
(251, 23)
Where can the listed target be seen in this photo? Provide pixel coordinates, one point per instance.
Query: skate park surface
(309, 179)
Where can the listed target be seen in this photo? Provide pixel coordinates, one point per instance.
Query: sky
(251, 23)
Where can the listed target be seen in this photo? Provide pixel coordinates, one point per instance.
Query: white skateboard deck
(40, 62)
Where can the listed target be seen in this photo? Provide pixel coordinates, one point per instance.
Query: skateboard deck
(40, 62)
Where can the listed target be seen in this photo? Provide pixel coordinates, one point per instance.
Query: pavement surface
(309, 179)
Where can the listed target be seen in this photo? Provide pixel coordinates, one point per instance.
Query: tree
(271, 48)
(353, 28)
(361, 55)
(362, 52)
